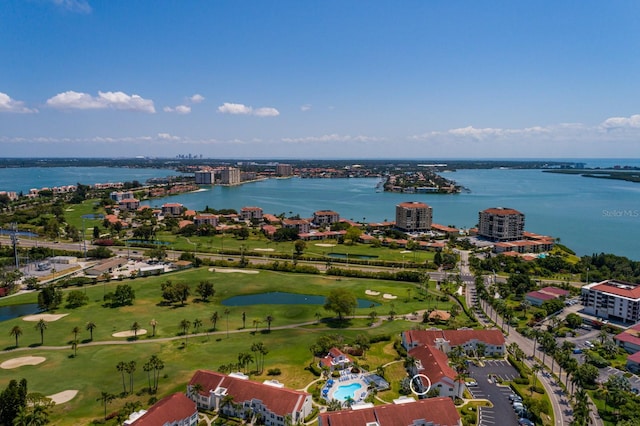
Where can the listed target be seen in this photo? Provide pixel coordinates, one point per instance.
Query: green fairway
(94, 368)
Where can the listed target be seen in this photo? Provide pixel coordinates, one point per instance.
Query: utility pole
(14, 242)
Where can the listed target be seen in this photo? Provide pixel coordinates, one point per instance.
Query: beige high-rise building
(284, 170)
(413, 216)
(501, 224)
(205, 177)
(230, 176)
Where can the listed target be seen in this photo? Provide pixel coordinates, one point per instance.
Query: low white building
(613, 300)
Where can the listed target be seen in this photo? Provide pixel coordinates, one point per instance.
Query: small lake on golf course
(282, 298)
(16, 311)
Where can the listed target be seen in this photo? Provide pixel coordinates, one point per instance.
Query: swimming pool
(346, 391)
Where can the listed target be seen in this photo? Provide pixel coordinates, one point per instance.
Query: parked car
(525, 422)
(472, 384)
(515, 397)
(577, 351)
(518, 405)
(589, 344)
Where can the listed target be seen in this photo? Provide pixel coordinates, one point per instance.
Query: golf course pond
(282, 298)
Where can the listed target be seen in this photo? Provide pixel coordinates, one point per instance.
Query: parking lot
(502, 412)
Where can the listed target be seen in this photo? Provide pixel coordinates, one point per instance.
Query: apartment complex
(612, 299)
(174, 410)
(325, 217)
(271, 401)
(250, 213)
(284, 170)
(403, 411)
(230, 176)
(492, 340)
(501, 224)
(413, 216)
(205, 177)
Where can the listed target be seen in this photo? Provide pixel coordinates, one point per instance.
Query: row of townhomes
(430, 348)
(274, 405)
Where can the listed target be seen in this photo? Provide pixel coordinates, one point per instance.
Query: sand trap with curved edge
(64, 396)
(46, 317)
(389, 296)
(229, 271)
(325, 245)
(263, 249)
(371, 293)
(23, 360)
(406, 251)
(129, 333)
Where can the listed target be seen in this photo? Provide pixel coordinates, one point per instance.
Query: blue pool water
(345, 391)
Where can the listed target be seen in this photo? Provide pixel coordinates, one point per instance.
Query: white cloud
(11, 105)
(196, 99)
(241, 109)
(334, 137)
(266, 112)
(78, 6)
(613, 123)
(104, 100)
(305, 107)
(180, 109)
(168, 137)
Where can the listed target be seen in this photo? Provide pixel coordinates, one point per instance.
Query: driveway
(502, 411)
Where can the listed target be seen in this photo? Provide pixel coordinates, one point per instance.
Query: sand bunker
(389, 296)
(325, 245)
(263, 249)
(64, 396)
(406, 251)
(46, 317)
(23, 360)
(371, 292)
(229, 271)
(129, 333)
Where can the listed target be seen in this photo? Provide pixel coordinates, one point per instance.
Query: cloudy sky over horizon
(331, 79)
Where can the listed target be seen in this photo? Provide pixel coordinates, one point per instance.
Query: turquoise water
(345, 391)
(588, 215)
(282, 298)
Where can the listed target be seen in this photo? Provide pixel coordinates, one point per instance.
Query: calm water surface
(16, 311)
(282, 298)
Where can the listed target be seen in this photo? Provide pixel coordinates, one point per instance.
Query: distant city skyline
(331, 79)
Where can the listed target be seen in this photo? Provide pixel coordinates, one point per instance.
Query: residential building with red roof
(447, 230)
(325, 217)
(425, 412)
(633, 363)
(172, 209)
(538, 297)
(433, 363)
(271, 218)
(173, 410)
(271, 400)
(445, 340)
(335, 360)
(413, 216)
(250, 213)
(613, 300)
(129, 204)
(301, 225)
(205, 219)
(501, 224)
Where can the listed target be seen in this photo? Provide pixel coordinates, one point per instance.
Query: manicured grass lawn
(93, 370)
(73, 214)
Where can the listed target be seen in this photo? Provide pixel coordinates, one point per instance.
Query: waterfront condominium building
(230, 176)
(501, 224)
(612, 299)
(325, 217)
(413, 216)
(205, 177)
(284, 170)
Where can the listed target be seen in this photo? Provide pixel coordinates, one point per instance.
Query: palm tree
(75, 332)
(535, 369)
(196, 388)
(184, 325)
(269, 320)
(244, 319)
(214, 319)
(226, 313)
(74, 346)
(153, 323)
(105, 398)
(41, 326)
(227, 401)
(197, 323)
(256, 322)
(16, 332)
(90, 327)
(135, 327)
(318, 316)
(130, 368)
(121, 367)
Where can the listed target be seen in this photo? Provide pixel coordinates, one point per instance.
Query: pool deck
(346, 378)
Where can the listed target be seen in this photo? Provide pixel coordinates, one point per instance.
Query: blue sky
(320, 79)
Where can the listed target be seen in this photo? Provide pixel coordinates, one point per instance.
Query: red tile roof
(413, 205)
(619, 288)
(437, 411)
(280, 401)
(168, 410)
(635, 358)
(501, 211)
(455, 337)
(554, 290)
(540, 296)
(435, 363)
